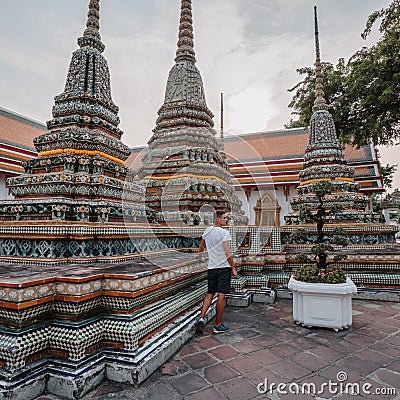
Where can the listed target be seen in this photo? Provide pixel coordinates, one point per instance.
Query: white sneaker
(200, 325)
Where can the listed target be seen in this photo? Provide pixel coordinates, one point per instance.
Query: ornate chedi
(79, 174)
(185, 168)
(324, 160)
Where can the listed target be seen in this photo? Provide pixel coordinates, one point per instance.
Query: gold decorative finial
(185, 43)
(91, 37)
(320, 102)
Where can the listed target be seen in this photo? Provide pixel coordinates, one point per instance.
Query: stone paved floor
(265, 344)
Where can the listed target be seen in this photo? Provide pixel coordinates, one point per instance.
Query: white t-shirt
(214, 236)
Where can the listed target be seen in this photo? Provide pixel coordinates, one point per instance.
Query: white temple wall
(249, 204)
(279, 194)
(4, 195)
(285, 204)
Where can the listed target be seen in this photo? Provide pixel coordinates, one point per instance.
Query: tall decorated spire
(324, 158)
(320, 102)
(81, 157)
(185, 39)
(91, 37)
(185, 168)
(185, 100)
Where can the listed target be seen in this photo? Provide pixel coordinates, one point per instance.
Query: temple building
(265, 169)
(264, 166)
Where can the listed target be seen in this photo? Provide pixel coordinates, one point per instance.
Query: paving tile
(389, 377)
(219, 373)
(157, 391)
(356, 364)
(174, 367)
(284, 350)
(360, 339)
(244, 364)
(200, 360)
(384, 327)
(326, 353)
(303, 343)
(394, 366)
(282, 323)
(310, 361)
(265, 356)
(238, 389)
(248, 333)
(246, 346)
(188, 349)
(386, 348)
(393, 322)
(289, 369)
(266, 377)
(189, 383)
(208, 342)
(336, 371)
(106, 389)
(207, 394)
(345, 347)
(224, 352)
(266, 340)
(372, 333)
(371, 355)
(393, 340)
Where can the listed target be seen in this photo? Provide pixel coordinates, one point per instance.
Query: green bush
(311, 274)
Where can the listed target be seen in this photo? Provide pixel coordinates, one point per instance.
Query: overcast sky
(248, 49)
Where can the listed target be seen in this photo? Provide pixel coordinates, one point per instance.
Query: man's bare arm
(229, 257)
(202, 248)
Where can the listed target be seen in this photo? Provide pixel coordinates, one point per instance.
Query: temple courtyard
(265, 346)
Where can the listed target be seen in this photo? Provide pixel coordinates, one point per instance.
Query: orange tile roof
(286, 143)
(19, 130)
(135, 159)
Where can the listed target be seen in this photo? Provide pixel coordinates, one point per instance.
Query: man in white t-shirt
(220, 269)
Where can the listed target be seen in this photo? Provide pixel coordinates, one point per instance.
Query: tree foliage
(387, 172)
(324, 242)
(364, 93)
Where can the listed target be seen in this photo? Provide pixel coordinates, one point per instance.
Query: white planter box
(322, 304)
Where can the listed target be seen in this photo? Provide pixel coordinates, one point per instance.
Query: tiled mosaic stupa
(79, 174)
(324, 160)
(185, 168)
(372, 254)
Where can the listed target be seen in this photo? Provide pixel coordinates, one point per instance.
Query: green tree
(364, 93)
(387, 172)
(322, 270)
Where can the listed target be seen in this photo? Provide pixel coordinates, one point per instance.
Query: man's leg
(220, 308)
(206, 304)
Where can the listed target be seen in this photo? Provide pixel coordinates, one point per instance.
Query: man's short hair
(220, 213)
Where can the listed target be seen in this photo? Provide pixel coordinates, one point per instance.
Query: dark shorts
(219, 280)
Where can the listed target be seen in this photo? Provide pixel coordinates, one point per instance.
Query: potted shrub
(322, 294)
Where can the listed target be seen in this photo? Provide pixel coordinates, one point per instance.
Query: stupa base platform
(72, 380)
(66, 329)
